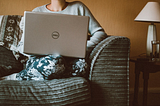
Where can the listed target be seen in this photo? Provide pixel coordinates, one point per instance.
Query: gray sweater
(78, 8)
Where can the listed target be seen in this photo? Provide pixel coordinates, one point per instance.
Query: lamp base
(152, 35)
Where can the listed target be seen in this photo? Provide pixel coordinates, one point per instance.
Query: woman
(40, 68)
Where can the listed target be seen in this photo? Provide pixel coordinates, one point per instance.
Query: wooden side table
(146, 66)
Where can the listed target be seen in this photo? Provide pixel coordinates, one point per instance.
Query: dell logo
(55, 35)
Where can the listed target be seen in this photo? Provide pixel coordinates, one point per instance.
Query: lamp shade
(150, 13)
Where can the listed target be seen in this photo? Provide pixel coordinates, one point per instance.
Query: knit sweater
(78, 8)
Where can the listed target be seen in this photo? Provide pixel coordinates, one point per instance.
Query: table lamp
(150, 13)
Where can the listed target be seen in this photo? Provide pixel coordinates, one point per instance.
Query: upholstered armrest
(109, 72)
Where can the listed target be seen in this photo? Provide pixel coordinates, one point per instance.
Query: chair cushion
(68, 91)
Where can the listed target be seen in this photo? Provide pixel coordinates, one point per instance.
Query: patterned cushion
(10, 33)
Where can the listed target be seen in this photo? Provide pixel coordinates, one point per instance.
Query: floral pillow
(10, 33)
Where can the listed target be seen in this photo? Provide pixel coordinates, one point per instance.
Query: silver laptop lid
(50, 33)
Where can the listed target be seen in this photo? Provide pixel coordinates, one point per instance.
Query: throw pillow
(8, 63)
(10, 32)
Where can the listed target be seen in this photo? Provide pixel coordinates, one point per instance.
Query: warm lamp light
(150, 13)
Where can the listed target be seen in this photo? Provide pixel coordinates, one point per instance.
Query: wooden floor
(153, 99)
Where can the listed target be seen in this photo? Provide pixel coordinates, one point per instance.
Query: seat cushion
(67, 91)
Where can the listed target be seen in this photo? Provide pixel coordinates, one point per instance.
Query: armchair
(107, 85)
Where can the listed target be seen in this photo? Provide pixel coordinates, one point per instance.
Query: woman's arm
(95, 29)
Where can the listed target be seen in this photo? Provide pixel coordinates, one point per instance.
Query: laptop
(50, 33)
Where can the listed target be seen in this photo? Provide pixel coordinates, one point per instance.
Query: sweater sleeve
(95, 29)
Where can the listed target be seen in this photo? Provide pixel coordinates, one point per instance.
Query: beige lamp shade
(150, 13)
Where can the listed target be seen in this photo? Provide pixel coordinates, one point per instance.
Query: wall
(115, 16)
